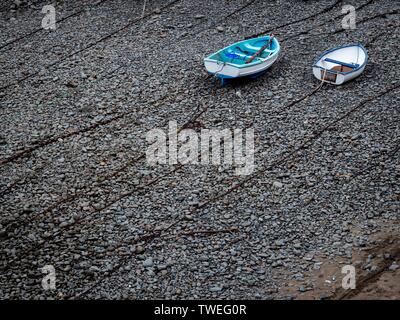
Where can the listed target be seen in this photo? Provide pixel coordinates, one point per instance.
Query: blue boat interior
(240, 52)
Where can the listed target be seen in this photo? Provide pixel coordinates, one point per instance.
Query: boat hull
(229, 71)
(340, 78)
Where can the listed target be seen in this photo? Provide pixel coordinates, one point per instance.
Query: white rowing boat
(341, 64)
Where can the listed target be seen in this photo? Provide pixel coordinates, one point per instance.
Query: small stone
(139, 249)
(394, 267)
(373, 268)
(71, 84)
(199, 16)
(46, 235)
(27, 209)
(317, 265)
(63, 224)
(277, 264)
(84, 75)
(3, 233)
(220, 29)
(148, 262)
(215, 289)
(277, 184)
(94, 269)
(164, 272)
(235, 29)
(308, 257)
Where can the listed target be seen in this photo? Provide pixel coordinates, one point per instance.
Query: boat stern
(328, 76)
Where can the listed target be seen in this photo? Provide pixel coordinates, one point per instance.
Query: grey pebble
(393, 267)
(148, 262)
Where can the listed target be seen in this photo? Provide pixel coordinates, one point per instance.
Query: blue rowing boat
(248, 58)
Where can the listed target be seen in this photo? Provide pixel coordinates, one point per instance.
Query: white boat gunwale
(338, 48)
